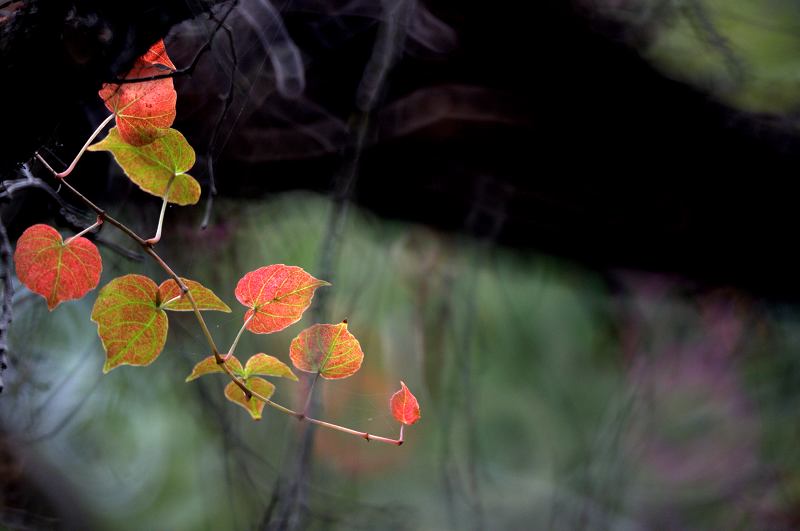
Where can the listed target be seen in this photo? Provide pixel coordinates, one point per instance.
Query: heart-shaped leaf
(130, 324)
(157, 166)
(253, 406)
(203, 297)
(329, 349)
(143, 109)
(404, 406)
(56, 270)
(276, 295)
(266, 365)
(210, 365)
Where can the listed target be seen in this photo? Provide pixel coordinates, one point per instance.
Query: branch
(148, 248)
(189, 70)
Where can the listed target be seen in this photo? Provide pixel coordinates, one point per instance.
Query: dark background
(540, 127)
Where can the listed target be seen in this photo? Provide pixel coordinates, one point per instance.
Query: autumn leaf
(156, 166)
(130, 324)
(209, 365)
(276, 295)
(253, 406)
(144, 109)
(266, 365)
(404, 406)
(56, 270)
(157, 55)
(203, 297)
(328, 349)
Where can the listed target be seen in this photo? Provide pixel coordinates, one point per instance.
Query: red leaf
(144, 109)
(254, 406)
(277, 296)
(57, 271)
(157, 55)
(328, 349)
(404, 406)
(210, 365)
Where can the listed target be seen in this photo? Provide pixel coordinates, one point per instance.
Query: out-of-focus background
(569, 227)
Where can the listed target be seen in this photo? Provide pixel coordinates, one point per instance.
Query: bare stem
(71, 167)
(148, 248)
(310, 394)
(238, 336)
(155, 239)
(84, 231)
(249, 393)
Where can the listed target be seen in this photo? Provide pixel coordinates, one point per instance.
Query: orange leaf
(254, 406)
(277, 296)
(210, 365)
(328, 349)
(130, 324)
(144, 109)
(56, 270)
(404, 406)
(157, 55)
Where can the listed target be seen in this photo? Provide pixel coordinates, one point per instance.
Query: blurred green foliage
(745, 52)
(551, 397)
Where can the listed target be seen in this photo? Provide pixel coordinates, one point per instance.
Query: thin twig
(84, 231)
(148, 248)
(96, 132)
(212, 184)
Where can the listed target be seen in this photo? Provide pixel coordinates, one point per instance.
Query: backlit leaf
(330, 349)
(143, 110)
(404, 406)
(210, 365)
(154, 165)
(253, 406)
(56, 270)
(266, 365)
(276, 295)
(132, 327)
(203, 297)
(157, 55)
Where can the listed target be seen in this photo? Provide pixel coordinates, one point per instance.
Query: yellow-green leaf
(210, 365)
(158, 166)
(203, 297)
(254, 406)
(130, 324)
(266, 365)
